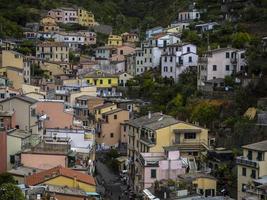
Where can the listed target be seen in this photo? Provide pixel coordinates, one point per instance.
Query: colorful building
(105, 83)
(85, 18)
(157, 133)
(47, 155)
(109, 128)
(252, 171)
(54, 114)
(49, 24)
(159, 166)
(61, 176)
(114, 40)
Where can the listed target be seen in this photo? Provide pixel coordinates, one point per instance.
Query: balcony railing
(80, 106)
(245, 161)
(148, 141)
(233, 60)
(192, 143)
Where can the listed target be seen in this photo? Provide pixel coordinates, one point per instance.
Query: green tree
(6, 178)
(204, 113)
(240, 39)
(9, 191)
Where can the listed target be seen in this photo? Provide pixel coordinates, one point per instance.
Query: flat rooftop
(19, 133)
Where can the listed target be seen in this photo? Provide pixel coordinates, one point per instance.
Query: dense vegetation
(125, 15)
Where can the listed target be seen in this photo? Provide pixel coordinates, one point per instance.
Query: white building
(74, 40)
(176, 58)
(82, 141)
(190, 15)
(206, 26)
(219, 63)
(163, 39)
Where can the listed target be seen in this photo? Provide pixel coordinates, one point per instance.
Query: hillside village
(176, 111)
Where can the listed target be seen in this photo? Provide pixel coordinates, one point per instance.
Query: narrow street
(108, 183)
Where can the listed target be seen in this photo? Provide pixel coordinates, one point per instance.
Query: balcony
(245, 161)
(194, 144)
(233, 60)
(148, 141)
(80, 106)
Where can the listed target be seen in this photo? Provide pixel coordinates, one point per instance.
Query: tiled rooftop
(43, 176)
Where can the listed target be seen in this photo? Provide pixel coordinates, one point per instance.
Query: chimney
(149, 115)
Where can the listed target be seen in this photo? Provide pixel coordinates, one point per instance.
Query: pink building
(54, 114)
(159, 166)
(46, 156)
(64, 15)
(121, 52)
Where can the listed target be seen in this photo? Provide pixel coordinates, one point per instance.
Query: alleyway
(108, 183)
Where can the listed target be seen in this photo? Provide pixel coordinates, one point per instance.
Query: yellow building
(105, 83)
(16, 67)
(203, 184)
(159, 133)
(61, 176)
(49, 24)
(252, 171)
(15, 75)
(86, 18)
(99, 110)
(102, 80)
(12, 59)
(114, 40)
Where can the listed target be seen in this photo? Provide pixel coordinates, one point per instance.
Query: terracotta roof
(43, 176)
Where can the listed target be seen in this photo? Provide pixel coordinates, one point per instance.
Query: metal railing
(245, 161)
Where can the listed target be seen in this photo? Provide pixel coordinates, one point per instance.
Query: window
(244, 171)
(33, 113)
(170, 69)
(227, 67)
(253, 173)
(260, 156)
(111, 135)
(227, 55)
(190, 59)
(165, 59)
(124, 128)
(165, 69)
(171, 59)
(1, 123)
(101, 82)
(109, 81)
(2, 95)
(150, 60)
(188, 49)
(115, 116)
(250, 155)
(190, 135)
(214, 67)
(242, 55)
(153, 173)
